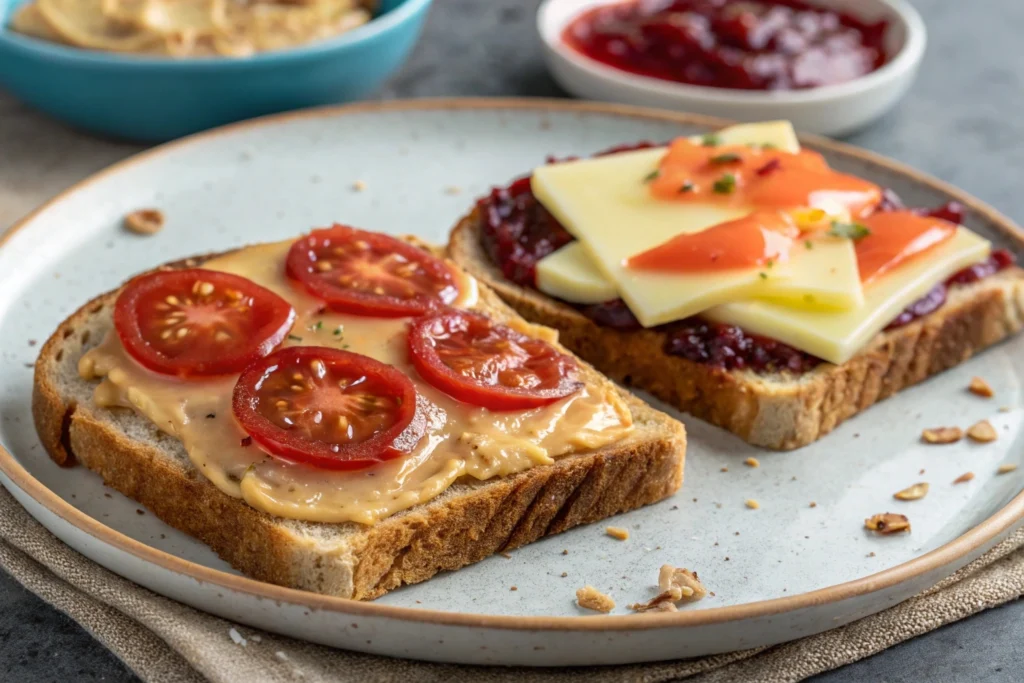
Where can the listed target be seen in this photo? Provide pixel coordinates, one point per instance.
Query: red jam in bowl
(738, 44)
(516, 232)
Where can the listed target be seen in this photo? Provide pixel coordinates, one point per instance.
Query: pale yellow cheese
(778, 134)
(570, 275)
(836, 336)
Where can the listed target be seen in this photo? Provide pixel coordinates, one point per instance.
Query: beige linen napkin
(166, 642)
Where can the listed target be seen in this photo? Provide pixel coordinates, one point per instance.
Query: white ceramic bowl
(829, 110)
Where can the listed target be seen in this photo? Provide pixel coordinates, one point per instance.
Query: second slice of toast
(780, 411)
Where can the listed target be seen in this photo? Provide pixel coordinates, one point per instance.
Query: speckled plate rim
(980, 536)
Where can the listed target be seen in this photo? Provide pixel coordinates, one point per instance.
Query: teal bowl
(151, 99)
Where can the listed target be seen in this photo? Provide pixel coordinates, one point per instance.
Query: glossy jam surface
(517, 232)
(738, 44)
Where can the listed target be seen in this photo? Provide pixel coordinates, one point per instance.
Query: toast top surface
(468, 448)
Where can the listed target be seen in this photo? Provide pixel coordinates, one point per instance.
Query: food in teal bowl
(152, 70)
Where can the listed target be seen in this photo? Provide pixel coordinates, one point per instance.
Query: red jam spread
(739, 44)
(517, 232)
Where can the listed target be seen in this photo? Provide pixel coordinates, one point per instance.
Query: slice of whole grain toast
(470, 521)
(778, 410)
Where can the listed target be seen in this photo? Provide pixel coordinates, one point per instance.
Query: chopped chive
(687, 187)
(711, 140)
(764, 276)
(809, 244)
(652, 175)
(725, 185)
(338, 330)
(853, 231)
(726, 158)
(294, 337)
(770, 263)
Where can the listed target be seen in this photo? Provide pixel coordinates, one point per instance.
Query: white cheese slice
(837, 335)
(778, 134)
(605, 204)
(570, 275)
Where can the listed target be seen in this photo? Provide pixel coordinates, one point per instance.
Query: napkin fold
(164, 641)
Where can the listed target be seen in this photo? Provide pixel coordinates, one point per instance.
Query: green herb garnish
(727, 158)
(768, 145)
(764, 276)
(338, 330)
(809, 244)
(652, 175)
(725, 185)
(687, 187)
(711, 140)
(769, 263)
(294, 337)
(853, 231)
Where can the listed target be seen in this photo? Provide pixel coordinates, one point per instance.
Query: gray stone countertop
(962, 122)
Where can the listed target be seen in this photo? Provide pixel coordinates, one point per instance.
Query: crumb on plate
(980, 387)
(617, 532)
(913, 492)
(982, 432)
(942, 435)
(144, 221)
(589, 597)
(887, 523)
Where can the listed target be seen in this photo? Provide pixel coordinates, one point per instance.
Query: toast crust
(470, 522)
(777, 411)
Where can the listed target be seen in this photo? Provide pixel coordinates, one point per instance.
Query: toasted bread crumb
(617, 532)
(452, 189)
(358, 186)
(941, 435)
(514, 588)
(871, 554)
(1005, 409)
(505, 555)
(725, 469)
(964, 478)
(752, 504)
(752, 462)
(565, 552)
(589, 597)
(980, 387)
(675, 584)
(1005, 469)
(144, 221)
(887, 523)
(813, 504)
(914, 492)
(982, 432)
(565, 574)
(922, 471)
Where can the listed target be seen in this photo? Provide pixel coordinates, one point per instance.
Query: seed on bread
(964, 478)
(887, 523)
(752, 504)
(942, 435)
(752, 462)
(1006, 469)
(589, 597)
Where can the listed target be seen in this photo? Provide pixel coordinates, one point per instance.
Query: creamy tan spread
(461, 440)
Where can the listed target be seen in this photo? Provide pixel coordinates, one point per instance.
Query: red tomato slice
(199, 322)
(477, 361)
(367, 273)
(328, 408)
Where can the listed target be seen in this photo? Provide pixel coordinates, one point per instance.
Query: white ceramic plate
(778, 573)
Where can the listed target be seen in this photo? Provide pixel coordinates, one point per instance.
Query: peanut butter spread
(461, 440)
